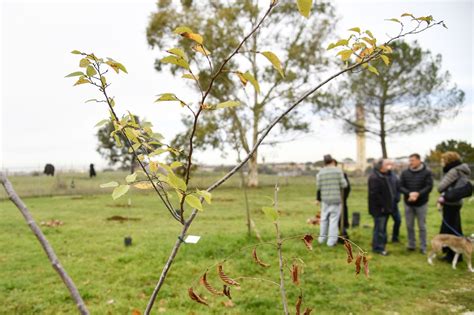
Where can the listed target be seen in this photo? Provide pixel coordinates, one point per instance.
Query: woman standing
(453, 170)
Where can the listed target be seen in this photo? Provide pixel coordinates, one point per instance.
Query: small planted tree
(359, 51)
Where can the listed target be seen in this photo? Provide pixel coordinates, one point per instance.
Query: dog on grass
(459, 245)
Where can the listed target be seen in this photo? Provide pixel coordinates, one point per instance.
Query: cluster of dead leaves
(360, 259)
(228, 282)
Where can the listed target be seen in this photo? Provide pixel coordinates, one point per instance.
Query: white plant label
(192, 239)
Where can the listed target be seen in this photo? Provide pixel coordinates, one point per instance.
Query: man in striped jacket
(330, 182)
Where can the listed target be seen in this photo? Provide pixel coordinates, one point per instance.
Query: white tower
(360, 134)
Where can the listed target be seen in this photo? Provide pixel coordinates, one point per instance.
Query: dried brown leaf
(209, 287)
(226, 292)
(357, 263)
(196, 297)
(225, 277)
(348, 248)
(308, 241)
(257, 260)
(298, 304)
(366, 266)
(307, 311)
(294, 274)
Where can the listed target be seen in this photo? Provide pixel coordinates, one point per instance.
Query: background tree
(465, 150)
(117, 152)
(409, 94)
(301, 53)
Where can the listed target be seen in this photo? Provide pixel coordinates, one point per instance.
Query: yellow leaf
(194, 202)
(355, 29)
(393, 20)
(274, 60)
(82, 80)
(249, 77)
(143, 185)
(345, 54)
(304, 6)
(193, 36)
(372, 69)
(385, 59)
(201, 49)
(242, 78)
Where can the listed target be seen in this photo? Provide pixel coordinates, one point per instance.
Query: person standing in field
(395, 214)
(453, 170)
(330, 183)
(416, 183)
(380, 204)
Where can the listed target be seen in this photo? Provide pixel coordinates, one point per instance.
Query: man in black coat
(416, 183)
(380, 204)
(395, 214)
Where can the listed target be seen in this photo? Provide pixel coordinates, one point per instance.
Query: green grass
(91, 249)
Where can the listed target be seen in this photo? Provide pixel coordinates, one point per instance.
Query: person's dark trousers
(379, 237)
(451, 216)
(397, 221)
(346, 220)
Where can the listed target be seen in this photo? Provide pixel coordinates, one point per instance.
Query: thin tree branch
(48, 249)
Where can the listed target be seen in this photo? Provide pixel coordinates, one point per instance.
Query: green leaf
(274, 60)
(109, 184)
(304, 6)
(121, 67)
(178, 52)
(373, 69)
(90, 71)
(408, 14)
(370, 34)
(176, 182)
(228, 104)
(103, 80)
(205, 194)
(271, 213)
(120, 191)
(188, 76)
(194, 202)
(250, 78)
(182, 29)
(355, 29)
(176, 61)
(394, 20)
(102, 122)
(76, 52)
(176, 164)
(385, 59)
(91, 100)
(75, 74)
(345, 54)
(165, 97)
(131, 178)
(84, 62)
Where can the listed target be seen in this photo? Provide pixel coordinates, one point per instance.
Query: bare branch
(48, 249)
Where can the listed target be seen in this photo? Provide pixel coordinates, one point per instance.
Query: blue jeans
(379, 238)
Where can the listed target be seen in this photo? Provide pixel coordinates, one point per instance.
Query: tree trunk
(253, 171)
(384, 145)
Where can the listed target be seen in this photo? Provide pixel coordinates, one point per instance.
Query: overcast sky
(44, 119)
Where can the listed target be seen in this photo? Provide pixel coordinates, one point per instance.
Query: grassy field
(114, 279)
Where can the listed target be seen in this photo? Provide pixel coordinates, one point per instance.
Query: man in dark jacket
(395, 214)
(380, 205)
(416, 183)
